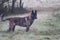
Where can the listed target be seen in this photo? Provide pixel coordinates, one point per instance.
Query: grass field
(45, 27)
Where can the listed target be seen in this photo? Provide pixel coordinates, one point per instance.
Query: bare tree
(13, 4)
(21, 4)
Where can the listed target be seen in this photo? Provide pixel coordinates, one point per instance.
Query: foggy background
(38, 3)
(45, 27)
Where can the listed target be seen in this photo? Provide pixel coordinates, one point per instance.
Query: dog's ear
(32, 13)
(36, 12)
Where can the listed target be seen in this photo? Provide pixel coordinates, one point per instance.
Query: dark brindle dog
(24, 21)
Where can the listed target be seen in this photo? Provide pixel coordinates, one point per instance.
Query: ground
(45, 27)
